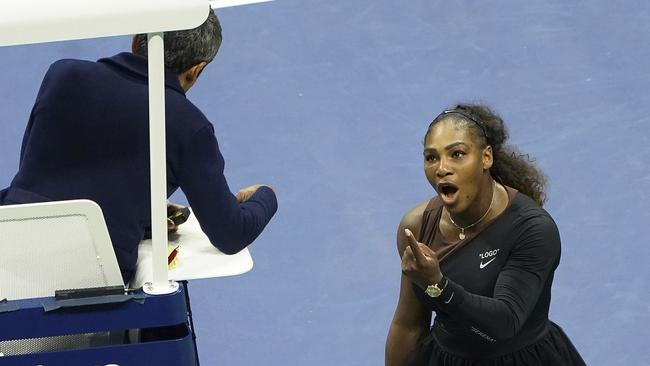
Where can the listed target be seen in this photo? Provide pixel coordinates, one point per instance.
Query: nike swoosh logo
(483, 265)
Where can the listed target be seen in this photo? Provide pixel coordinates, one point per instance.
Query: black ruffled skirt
(554, 349)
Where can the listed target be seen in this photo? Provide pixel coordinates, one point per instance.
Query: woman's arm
(411, 319)
(410, 322)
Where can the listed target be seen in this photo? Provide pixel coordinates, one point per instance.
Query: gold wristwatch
(433, 290)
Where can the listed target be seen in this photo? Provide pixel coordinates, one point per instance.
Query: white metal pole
(158, 163)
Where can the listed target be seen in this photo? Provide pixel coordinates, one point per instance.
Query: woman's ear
(488, 158)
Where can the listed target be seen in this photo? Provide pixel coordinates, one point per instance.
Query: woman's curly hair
(510, 167)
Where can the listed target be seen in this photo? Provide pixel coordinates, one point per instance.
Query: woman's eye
(457, 154)
(430, 158)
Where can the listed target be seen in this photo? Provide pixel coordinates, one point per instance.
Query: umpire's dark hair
(184, 49)
(510, 167)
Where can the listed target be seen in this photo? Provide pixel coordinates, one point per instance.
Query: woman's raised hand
(420, 263)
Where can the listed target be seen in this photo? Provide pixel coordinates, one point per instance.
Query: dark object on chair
(88, 292)
(177, 216)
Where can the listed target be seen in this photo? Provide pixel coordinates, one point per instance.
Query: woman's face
(455, 164)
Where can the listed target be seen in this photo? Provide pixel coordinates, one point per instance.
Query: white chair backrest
(53, 246)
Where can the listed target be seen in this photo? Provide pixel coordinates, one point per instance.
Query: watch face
(433, 291)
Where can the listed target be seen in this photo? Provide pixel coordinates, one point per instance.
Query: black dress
(494, 308)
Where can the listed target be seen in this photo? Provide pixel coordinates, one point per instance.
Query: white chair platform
(197, 257)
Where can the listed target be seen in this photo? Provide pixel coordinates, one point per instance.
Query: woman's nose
(443, 168)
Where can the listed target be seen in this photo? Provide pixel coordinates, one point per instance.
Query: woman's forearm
(401, 343)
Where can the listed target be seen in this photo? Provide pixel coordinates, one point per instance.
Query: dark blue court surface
(328, 101)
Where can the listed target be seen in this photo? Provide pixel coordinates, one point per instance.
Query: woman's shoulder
(412, 219)
(529, 219)
(526, 208)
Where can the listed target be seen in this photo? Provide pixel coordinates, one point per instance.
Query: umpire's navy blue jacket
(88, 137)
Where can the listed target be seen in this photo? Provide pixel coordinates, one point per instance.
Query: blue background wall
(328, 101)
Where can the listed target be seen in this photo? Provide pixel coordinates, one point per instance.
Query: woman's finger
(415, 246)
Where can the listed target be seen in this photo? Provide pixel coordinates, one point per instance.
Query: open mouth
(447, 192)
